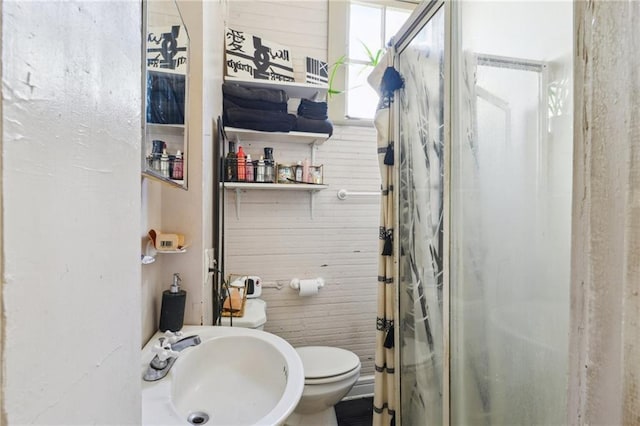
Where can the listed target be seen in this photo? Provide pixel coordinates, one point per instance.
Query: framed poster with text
(252, 57)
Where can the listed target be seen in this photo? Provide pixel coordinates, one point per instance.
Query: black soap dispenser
(173, 303)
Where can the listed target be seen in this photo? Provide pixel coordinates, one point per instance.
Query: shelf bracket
(313, 153)
(238, 203)
(312, 195)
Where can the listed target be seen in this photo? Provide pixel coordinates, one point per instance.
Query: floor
(356, 412)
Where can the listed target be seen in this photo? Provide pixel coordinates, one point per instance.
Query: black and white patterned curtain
(386, 80)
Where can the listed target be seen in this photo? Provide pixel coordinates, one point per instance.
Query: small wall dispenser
(173, 303)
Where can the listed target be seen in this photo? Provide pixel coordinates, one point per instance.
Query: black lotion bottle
(173, 303)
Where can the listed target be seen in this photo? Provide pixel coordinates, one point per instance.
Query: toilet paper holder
(295, 283)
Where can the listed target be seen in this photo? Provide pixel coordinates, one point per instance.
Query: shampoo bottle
(260, 170)
(306, 178)
(269, 165)
(172, 309)
(164, 163)
(249, 168)
(178, 167)
(231, 164)
(242, 165)
(298, 176)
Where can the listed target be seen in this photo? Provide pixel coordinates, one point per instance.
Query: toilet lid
(325, 361)
(254, 316)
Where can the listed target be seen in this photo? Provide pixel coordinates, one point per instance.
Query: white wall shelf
(234, 133)
(176, 129)
(293, 89)
(238, 187)
(275, 186)
(149, 256)
(150, 173)
(175, 139)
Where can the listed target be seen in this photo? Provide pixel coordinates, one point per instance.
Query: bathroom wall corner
(604, 340)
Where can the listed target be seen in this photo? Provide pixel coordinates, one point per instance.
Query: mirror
(166, 52)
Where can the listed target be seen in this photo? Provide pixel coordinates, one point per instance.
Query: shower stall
(483, 188)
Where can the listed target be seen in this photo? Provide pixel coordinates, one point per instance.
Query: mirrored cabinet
(166, 86)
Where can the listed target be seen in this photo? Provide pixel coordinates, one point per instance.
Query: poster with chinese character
(252, 57)
(167, 49)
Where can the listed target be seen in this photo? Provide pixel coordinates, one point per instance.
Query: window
(358, 34)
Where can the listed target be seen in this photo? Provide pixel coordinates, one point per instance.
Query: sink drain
(198, 418)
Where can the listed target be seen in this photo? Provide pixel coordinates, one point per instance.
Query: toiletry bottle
(178, 164)
(299, 171)
(269, 165)
(156, 153)
(249, 169)
(242, 165)
(157, 146)
(231, 164)
(305, 171)
(164, 163)
(172, 309)
(317, 176)
(260, 170)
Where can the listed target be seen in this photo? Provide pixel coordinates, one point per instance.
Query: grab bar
(343, 193)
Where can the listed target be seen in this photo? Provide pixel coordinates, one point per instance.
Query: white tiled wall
(273, 235)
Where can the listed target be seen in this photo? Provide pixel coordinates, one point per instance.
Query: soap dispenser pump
(172, 309)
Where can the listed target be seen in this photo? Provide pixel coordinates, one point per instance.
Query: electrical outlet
(209, 259)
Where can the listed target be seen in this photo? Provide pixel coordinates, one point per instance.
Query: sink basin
(235, 377)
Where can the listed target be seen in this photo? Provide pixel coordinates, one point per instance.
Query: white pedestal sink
(235, 377)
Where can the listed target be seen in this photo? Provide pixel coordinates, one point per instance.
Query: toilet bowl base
(325, 417)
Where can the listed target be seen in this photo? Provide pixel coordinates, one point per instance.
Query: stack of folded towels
(256, 109)
(312, 117)
(266, 110)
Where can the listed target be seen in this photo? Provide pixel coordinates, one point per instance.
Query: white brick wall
(275, 236)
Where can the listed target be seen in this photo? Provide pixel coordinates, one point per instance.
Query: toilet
(255, 315)
(255, 309)
(329, 372)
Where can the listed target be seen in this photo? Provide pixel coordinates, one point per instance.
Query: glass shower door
(510, 213)
(503, 316)
(420, 150)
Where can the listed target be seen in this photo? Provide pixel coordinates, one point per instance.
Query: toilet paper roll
(309, 287)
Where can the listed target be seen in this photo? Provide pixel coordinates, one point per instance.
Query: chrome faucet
(167, 350)
(184, 343)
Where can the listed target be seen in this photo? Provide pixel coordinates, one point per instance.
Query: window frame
(338, 46)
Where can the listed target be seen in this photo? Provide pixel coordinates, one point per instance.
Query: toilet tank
(255, 316)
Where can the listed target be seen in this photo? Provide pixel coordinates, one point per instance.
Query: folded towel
(304, 124)
(264, 126)
(165, 98)
(255, 119)
(270, 95)
(256, 104)
(313, 110)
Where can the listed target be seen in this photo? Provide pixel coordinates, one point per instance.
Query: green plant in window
(373, 59)
(334, 68)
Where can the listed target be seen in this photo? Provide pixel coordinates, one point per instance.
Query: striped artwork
(317, 71)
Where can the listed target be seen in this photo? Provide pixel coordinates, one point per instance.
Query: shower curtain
(385, 80)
